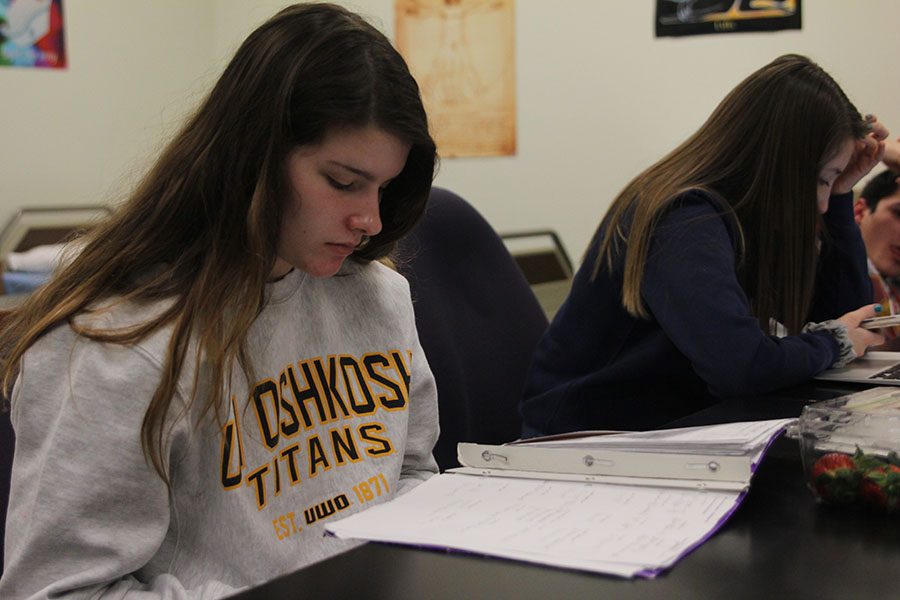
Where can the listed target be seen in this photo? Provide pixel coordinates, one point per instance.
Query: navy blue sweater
(597, 367)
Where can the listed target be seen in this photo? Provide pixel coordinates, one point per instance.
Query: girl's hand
(892, 155)
(859, 337)
(868, 153)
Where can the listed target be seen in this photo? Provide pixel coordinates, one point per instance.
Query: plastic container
(849, 447)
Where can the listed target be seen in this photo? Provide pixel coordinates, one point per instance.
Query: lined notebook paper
(587, 522)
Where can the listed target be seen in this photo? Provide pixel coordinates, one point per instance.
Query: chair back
(545, 263)
(478, 320)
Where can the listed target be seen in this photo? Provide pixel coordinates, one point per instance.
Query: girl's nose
(368, 218)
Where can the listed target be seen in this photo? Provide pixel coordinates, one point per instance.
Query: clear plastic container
(849, 447)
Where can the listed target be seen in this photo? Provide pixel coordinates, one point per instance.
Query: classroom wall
(599, 98)
(77, 136)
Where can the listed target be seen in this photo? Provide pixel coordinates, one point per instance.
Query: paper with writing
(601, 526)
(621, 530)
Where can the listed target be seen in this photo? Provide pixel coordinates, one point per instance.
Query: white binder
(652, 498)
(718, 457)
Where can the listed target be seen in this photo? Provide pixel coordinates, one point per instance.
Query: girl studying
(227, 363)
(731, 267)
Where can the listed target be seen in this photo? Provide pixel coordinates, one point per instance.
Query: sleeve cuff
(838, 331)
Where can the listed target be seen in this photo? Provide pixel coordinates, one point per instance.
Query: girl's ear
(860, 210)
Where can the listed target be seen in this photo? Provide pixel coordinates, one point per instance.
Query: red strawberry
(880, 488)
(836, 478)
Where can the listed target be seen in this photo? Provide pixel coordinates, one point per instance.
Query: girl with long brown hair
(226, 363)
(741, 234)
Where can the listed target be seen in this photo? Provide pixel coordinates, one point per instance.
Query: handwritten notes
(536, 506)
(614, 529)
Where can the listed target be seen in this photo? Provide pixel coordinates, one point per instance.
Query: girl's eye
(823, 183)
(338, 185)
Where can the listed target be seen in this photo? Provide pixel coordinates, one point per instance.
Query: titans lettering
(320, 391)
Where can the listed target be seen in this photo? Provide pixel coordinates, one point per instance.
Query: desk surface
(778, 544)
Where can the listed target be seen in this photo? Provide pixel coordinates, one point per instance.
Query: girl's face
(831, 171)
(335, 188)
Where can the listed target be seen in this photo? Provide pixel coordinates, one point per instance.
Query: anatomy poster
(462, 54)
(693, 17)
(32, 34)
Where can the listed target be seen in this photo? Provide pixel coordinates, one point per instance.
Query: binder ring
(487, 456)
(589, 461)
(711, 466)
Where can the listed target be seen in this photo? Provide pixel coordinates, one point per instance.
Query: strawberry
(880, 488)
(836, 478)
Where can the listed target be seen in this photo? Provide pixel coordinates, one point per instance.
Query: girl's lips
(346, 249)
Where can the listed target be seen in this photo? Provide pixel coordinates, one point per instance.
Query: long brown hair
(201, 227)
(760, 152)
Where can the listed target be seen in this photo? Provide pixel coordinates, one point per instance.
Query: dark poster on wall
(696, 17)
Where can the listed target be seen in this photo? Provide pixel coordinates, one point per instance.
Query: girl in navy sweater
(731, 267)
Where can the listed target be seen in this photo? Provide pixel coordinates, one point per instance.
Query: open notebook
(877, 368)
(628, 504)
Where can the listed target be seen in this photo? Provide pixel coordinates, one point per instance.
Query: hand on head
(892, 155)
(869, 151)
(861, 338)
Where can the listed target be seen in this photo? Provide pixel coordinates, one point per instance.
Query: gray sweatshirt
(340, 415)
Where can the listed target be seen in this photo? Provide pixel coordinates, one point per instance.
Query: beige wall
(74, 136)
(599, 97)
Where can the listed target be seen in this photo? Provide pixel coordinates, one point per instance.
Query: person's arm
(418, 462)
(86, 510)
(891, 156)
(842, 280)
(422, 427)
(842, 277)
(691, 288)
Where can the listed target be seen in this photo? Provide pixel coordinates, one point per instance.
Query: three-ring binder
(607, 466)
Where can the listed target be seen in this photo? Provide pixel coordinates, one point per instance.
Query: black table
(779, 544)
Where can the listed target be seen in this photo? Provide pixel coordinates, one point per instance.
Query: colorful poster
(694, 17)
(462, 54)
(31, 34)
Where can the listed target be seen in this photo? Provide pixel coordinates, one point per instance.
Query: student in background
(877, 211)
(227, 364)
(704, 256)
